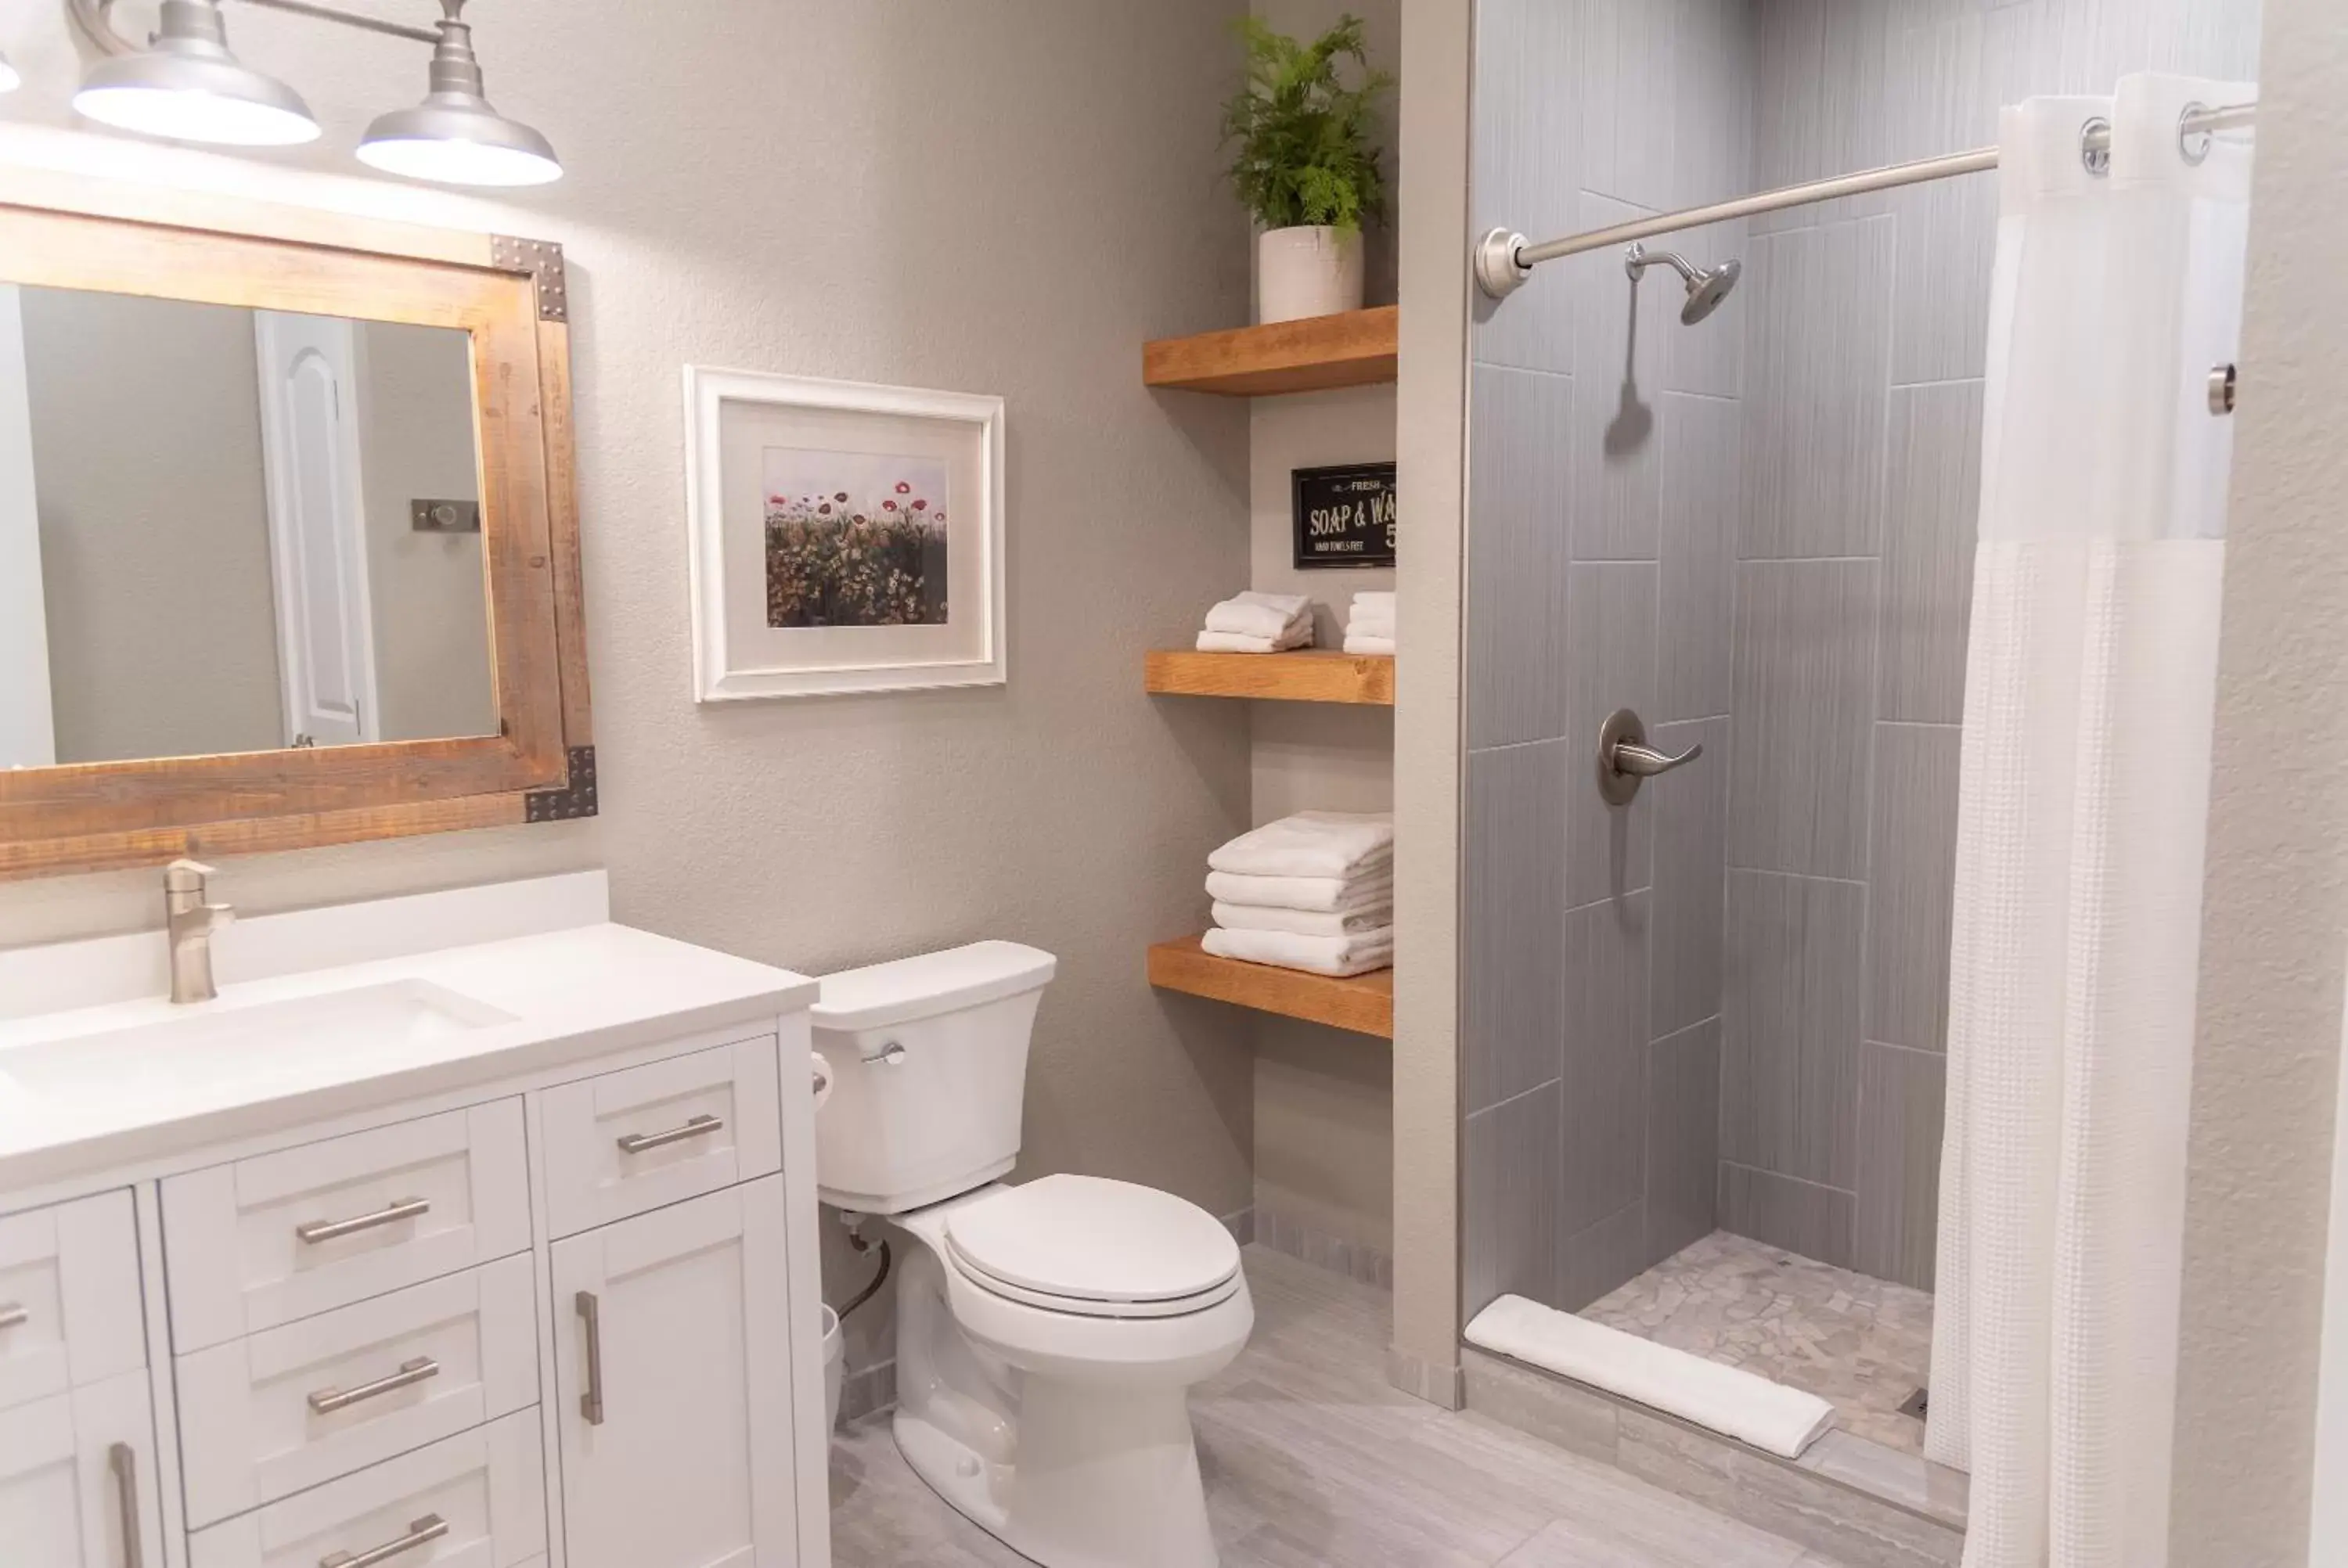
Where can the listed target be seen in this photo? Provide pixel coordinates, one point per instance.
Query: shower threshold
(1861, 1343)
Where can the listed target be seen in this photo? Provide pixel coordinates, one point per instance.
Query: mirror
(227, 529)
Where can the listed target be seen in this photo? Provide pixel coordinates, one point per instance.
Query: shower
(1707, 286)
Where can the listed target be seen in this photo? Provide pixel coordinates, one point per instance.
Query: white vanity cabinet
(671, 1393)
(559, 1310)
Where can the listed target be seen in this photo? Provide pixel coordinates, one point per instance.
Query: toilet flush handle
(889, 1055)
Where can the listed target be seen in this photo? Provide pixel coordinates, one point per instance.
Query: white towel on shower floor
(1353, 955)
(1343, 843)
(1725, 1399)
(1306, 922)
(1335, 895)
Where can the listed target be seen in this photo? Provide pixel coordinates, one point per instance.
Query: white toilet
(1047, 1335)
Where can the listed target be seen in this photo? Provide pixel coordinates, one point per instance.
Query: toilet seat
(1091, 1247)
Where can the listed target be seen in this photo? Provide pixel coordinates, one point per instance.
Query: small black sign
(1346, 517)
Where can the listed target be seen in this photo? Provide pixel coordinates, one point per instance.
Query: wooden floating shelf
(1305, 675)
(1361, 1003)
(1314, 355)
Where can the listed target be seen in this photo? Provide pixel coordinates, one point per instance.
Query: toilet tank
(929, 1065)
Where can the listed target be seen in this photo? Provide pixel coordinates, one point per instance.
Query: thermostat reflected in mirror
(445, 517)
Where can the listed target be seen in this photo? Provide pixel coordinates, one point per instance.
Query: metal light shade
(454, 137)
(189, 86)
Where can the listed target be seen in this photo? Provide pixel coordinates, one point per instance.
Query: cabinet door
(672, 1333)
(77, 1479)
(70, 1303)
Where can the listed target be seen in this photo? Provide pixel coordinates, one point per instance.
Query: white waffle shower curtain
(2088, 692)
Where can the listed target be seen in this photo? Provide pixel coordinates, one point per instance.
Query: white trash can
(835, 1348)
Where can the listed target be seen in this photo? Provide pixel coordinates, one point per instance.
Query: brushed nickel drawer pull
(15, 1315)
(123, 1461)
(401, 1209)
(420, 1532)
(698, 1127)
(326, 1401)
(591, 1315)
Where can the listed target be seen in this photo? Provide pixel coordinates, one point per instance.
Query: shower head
(1707, 286)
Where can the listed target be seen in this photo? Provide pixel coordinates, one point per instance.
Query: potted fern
(1306, 165)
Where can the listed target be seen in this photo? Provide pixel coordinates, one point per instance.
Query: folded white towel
(1375, 599)
(1252, 614)
(1358, 644)
(1353, 955)
(1300, 636)
(1727, 1399)
(1311, 843)
(1306, 922)
(1337, 895)
(1370, 626)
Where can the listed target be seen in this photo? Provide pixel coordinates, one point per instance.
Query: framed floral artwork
(845, 537)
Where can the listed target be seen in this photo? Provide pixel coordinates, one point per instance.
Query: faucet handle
(184, 875)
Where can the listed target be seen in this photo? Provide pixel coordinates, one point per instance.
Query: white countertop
(565, 995)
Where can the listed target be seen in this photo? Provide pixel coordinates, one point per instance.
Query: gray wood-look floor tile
(1311, 1459)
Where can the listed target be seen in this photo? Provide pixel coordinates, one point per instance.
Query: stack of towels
(1370, 625)
(1314, 891)
(1258, 623)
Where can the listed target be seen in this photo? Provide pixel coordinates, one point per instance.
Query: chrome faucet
(191, 923)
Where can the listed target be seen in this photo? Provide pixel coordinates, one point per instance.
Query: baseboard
(868, 1391)
(1355, 1260)
(1424, 1380)
(1242, 1225)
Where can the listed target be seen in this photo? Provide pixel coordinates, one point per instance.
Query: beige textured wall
(1324, 1104)
(992, 199)
(1432, 412)
(146, 421)
(2266, 1050)
(431, 607)
(1324, 1110)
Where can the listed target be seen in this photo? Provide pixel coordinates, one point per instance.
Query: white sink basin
(269, 1046)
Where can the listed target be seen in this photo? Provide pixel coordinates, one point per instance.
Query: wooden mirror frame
(71, 231)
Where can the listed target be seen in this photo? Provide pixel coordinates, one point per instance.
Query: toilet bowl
(1049, 1334)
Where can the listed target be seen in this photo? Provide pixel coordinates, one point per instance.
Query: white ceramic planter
(1313, 269)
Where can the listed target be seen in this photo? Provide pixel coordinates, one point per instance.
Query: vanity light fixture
(454, 135)
(187, 86)
(184, 84)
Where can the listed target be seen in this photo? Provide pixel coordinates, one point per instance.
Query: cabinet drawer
(442, 1357)
(70, 1308)
(281, 1236)
(484, 1492)
(629, 1141)
(77, 1477)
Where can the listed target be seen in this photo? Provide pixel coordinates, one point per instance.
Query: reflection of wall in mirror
(154, 528)
(431, 599)
(146, 451)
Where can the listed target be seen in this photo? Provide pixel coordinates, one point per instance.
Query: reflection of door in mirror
(317, 527)
(213, 534)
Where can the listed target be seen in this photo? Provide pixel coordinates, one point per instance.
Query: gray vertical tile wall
(1603, 476)
(1861, 428)
(1758, 531)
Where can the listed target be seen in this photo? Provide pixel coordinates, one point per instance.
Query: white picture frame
(745, 432)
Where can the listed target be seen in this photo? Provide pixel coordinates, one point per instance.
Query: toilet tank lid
(904, 989)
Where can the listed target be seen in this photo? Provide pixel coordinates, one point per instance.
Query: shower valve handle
(1625, 760)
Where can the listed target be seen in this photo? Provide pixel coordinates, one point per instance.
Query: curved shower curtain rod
(1504, 260)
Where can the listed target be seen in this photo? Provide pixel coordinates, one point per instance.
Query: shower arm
(1504, 260)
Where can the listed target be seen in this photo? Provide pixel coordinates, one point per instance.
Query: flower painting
(854, 538)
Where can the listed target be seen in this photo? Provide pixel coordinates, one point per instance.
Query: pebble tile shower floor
(1863, 1344)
